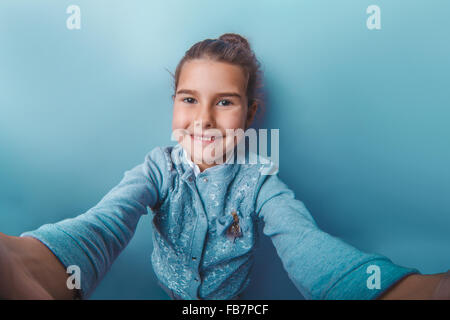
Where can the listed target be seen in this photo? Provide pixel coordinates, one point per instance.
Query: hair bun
(235, 39)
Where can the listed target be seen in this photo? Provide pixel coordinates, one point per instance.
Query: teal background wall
(363, 117)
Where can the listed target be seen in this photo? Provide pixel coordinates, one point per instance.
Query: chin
(206, 160)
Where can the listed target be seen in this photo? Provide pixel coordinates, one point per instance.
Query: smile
(204, 138)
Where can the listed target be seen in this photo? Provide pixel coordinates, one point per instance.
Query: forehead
(209, 75)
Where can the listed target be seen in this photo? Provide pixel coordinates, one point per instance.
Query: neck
(203, 166)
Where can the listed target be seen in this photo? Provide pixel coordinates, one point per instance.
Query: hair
(232, 48)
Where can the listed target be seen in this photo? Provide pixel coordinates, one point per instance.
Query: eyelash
(230, 103)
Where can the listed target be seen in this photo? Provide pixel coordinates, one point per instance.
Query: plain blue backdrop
(363, 117)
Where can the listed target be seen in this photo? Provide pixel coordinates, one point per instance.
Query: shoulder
(262, 172)
(263, 167)
(256, 163)
(167, 158)
(269, 186)
(158, 166)
(159, 155)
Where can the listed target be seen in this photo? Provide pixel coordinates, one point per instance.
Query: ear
(251, 112)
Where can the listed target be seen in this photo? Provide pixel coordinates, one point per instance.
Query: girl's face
(210, 99)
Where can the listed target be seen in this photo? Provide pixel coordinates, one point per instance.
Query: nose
(204, 118)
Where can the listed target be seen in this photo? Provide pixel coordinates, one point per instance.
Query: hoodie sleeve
(320, 265)
(94, 239)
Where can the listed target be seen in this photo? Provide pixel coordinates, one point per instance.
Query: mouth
(204, 139)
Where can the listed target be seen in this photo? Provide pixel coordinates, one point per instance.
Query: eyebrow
(221, 94)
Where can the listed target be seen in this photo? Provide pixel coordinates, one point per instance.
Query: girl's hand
(15, 280)
(24, 270)
(15, 283)
(418, 287)
(442, 291)
(5, 269)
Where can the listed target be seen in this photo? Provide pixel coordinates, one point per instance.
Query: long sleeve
(321, 266)
(94, 239)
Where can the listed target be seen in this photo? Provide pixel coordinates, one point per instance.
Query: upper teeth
(203, 138)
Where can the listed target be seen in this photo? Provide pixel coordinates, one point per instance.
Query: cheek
(180, 119)
(233, 121)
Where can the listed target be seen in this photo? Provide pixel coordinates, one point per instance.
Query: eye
(189, 100)
(228, 101)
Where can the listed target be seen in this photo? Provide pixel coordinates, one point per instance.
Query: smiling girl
(205, 210)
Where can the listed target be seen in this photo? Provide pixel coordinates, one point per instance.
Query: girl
(205, 210)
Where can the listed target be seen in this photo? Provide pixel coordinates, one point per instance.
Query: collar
(195, 167)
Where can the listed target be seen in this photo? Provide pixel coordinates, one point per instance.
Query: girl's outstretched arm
(323, 266)
(92, 240)
(422, 287)
(28, 270)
